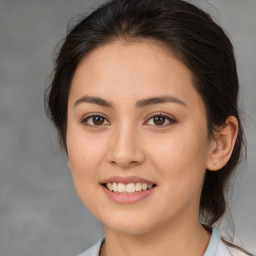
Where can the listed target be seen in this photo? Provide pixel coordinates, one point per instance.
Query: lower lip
(128, 198)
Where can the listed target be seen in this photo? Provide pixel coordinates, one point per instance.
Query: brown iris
(159, 120)
(98, 120)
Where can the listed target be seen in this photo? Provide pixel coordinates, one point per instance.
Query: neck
(189, 238)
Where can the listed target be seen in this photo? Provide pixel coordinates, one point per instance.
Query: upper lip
(126, 180)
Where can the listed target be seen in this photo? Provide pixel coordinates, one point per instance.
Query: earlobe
(223, 144)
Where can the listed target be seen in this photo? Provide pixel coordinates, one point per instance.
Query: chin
(131, 227)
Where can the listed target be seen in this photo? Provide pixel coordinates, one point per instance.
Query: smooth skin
(173, 150)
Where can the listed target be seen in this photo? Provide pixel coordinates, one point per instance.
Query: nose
(126, 148)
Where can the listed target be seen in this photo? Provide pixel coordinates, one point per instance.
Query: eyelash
(171, 120)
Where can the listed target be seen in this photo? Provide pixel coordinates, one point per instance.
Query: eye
(94, 120)
(160, 119)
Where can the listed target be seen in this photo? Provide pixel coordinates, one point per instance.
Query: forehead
(141, 55)
(132, 69)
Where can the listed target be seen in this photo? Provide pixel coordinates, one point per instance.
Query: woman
(144, 98)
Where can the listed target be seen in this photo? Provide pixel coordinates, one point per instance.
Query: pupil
(98, 120)
(159, 120)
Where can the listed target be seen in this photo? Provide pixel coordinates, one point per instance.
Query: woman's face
(135, 121)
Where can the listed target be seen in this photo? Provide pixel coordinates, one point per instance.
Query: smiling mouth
(130, 188)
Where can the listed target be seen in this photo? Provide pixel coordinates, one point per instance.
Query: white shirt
(216, 247)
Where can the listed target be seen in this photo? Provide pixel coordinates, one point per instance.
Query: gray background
(40, 213)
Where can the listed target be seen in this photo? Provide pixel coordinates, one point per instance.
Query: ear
(222, 144)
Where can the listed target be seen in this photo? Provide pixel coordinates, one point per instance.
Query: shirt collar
(213, 244)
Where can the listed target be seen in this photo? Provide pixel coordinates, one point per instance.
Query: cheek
(180, 147)
(181, 157)
(84, 153)
(84, 149)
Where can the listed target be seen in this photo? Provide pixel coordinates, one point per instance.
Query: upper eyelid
(92, 114)
(160, 114)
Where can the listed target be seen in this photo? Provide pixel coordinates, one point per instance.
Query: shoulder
(94, 250)
(217, 247)
(216, 242)
(224, 250)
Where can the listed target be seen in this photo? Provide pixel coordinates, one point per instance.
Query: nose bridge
(126, 149)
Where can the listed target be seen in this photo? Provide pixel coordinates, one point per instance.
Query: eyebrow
(139, 104)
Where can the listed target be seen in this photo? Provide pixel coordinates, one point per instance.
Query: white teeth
(114, 187)
(128, 188)
(109, 186)
(144, 186)
(121, 187)
(138, 186)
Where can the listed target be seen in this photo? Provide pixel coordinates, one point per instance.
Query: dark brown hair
(194, 38)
